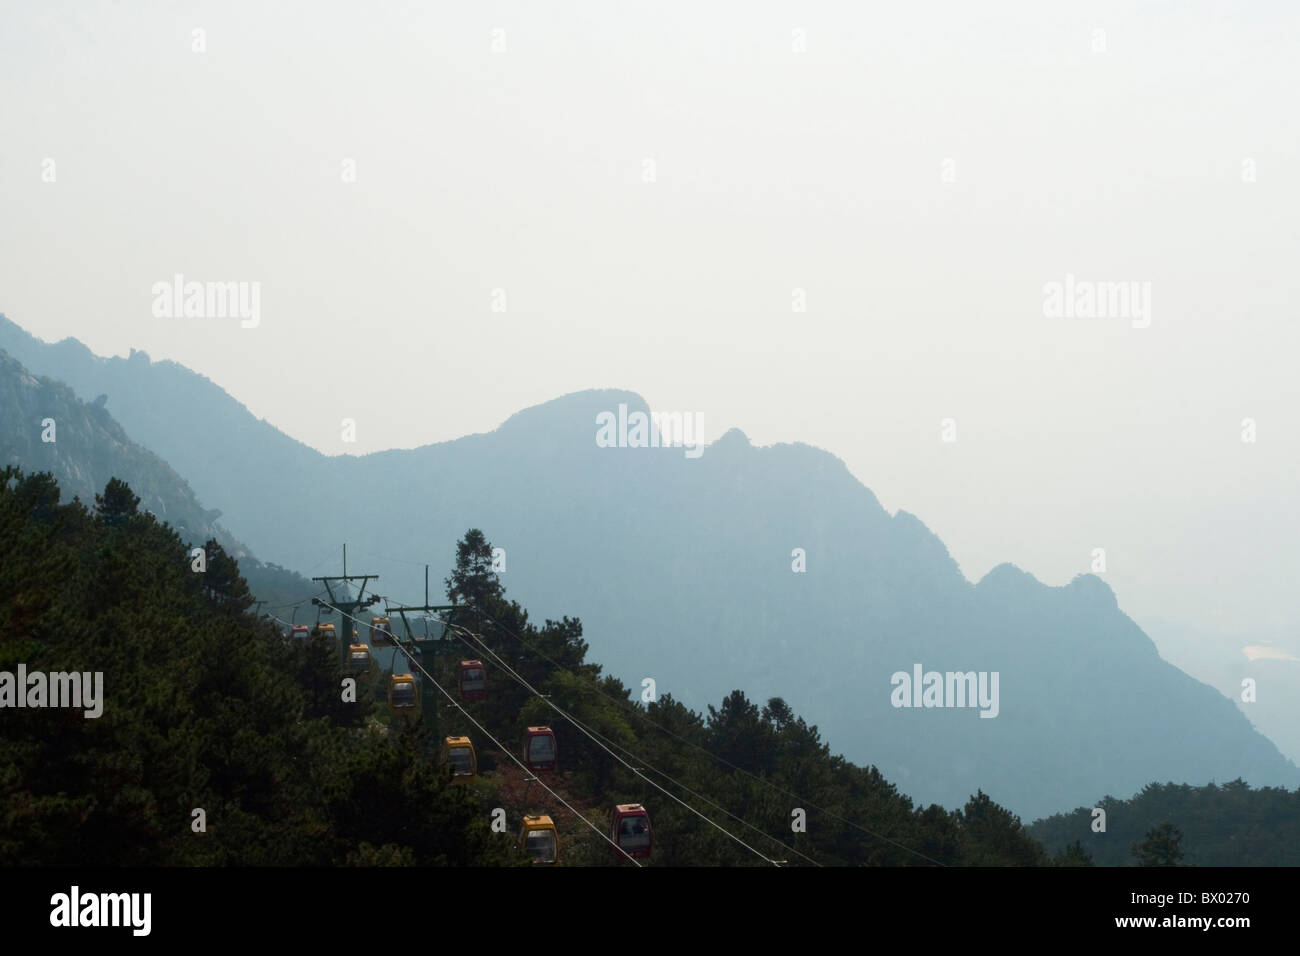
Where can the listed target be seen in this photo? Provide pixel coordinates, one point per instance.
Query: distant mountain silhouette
(681, 571)
(90, 448)
(1222, 662)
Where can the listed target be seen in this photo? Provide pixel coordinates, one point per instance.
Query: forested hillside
(1217, 825)
(47, 428)
(206, 707)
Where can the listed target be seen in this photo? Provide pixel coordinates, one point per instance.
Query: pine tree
(117, 503)
(1162, 847)
(473, 582)
(1073, 855)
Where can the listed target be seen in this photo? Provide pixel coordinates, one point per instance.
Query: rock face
(681, 569)
(47, 428)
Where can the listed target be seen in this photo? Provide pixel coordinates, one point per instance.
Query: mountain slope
(89, 448)
(681, 571)
(1226, 662)
(196, 705)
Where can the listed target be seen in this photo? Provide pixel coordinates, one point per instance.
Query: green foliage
(998, 837)
(117, 503)
(1072, 855)
(204, 707)
(93, 449)
(473, 582)
(1162, 847)
(1227, 824)
(208, 707)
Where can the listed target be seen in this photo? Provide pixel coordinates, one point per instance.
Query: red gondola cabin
(539, 748)
(629, 827)
(473, 680)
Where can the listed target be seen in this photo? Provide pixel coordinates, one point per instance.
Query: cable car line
(647, 765)
(296, 603)
(559, 710)
(502, 748)
(801, 801)
(593, 734)
(321, 561)
(767, 783)
(288, 624)
(388, 557)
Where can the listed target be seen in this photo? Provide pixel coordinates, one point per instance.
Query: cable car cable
(767, 783)
(644, 763)
(328, 557)
(503, 749)
(623, 702)
(297, 603)
(389, 557)
(578, 724)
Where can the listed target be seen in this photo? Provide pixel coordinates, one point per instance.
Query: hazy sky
(921, 171)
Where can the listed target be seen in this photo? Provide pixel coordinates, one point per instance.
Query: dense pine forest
(205, 708)
(209, 707)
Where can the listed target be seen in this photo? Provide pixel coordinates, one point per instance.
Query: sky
(833, 223)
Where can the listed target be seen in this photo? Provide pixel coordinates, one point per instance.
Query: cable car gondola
(473, 680)
(629, 827)
(539, 839)
(381, 632)
(459, 752)
(403, 696)
(358, 657)
(302, 631)
(539, 748)
(326, 631)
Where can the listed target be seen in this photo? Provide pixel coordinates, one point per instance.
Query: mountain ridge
(90, 447)
(686, 570)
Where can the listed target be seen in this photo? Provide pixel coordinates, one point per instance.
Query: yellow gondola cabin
(459, 753)
(539, 839)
